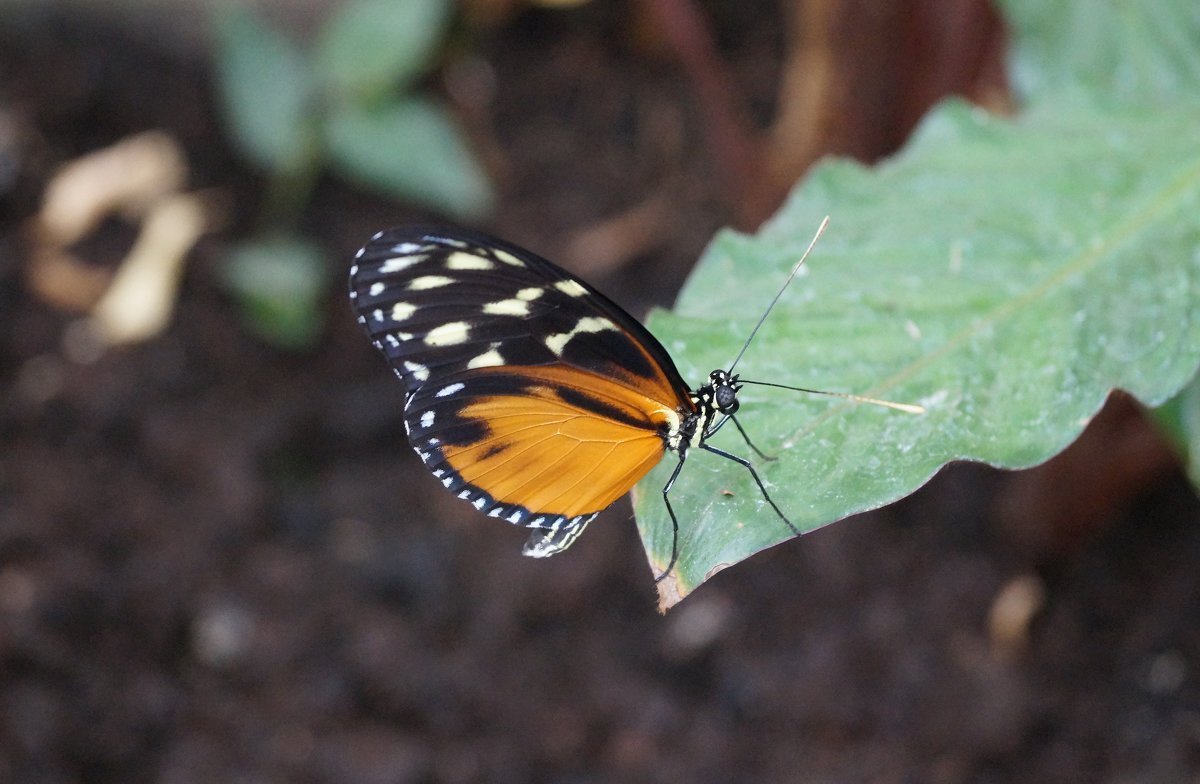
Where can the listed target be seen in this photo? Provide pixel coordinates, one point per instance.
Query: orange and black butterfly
(530, 394)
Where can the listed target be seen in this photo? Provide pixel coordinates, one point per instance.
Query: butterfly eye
(726, 399)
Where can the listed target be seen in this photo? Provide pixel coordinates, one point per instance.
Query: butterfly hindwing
(530, 394)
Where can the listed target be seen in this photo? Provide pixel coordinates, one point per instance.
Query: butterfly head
(725, 388)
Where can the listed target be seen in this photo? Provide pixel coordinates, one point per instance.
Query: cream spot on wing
(489, 358)
(594, 324)
(558, 342)
(461, 260)
(572, 288)
(402, 311)
(507, 257)
(429, 282)
(419, 371)
(507, 307)
(448, 334)
(400, 263)
(531, 293)
(674, 421)
(376, 289)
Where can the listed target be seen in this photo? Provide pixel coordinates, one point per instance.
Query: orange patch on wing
(556, 457)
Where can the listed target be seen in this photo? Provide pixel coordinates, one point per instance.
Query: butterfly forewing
(530, 394)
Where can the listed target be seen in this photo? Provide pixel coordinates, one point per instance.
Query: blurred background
(221, 562)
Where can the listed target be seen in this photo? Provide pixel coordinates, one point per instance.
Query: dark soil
(220, 562)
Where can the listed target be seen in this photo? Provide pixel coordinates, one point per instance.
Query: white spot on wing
(376, 289)
(461, 260)
(426, 282)
(490, 358)
(515, 517)
(507, 307)
(401, 311)
(419, 371)
(427, 419)
(451, 334)
(558, 342)
(446, 391)
(507, 257)
(479, 503)
(594, 324)
(572, 288)
(401, 263)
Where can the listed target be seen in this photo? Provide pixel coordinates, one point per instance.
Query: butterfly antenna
(909, 407)
(786, 283)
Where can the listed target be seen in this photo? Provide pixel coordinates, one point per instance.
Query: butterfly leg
(712, 431)
(762, 488)
(666, 492)
(749, 443)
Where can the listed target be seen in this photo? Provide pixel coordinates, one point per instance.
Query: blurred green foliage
(349, 105)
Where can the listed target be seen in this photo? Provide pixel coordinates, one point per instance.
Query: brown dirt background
(220, 562)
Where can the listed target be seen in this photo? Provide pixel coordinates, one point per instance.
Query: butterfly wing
(530, 394)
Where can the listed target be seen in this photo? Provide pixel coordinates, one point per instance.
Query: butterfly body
(530, 395)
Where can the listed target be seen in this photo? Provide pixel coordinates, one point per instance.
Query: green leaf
(1005, 275)
(266, 92)
(1134, 52)
(279, 283)
(411, 150)
(371, 46)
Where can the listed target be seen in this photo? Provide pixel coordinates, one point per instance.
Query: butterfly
(530, 394)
